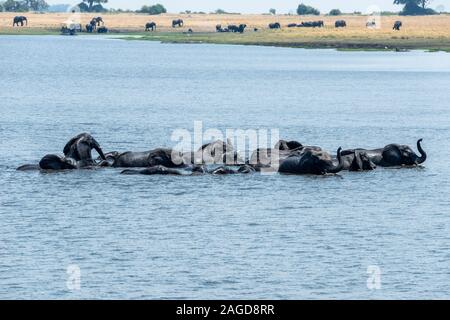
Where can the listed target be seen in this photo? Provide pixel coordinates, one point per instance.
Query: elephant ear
(392, 154)
(69, 145)
(71, 142)
(357, 164)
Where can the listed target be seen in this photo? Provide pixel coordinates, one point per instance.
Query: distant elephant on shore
(150, 26)
(220, 29)
(311, 161)
(397, 25)
(177, 23)
(97, 21)
(292, 25)
(21, 20)
(371, 24)
(102, 29)
(275, 25)
(340, 24)
(237, 29)
(90, 28)
(394, 155)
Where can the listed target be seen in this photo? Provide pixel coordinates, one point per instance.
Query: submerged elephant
(165, 157)
(162, 170)
(156, 170)
(394, 155)
(224, 170)
(311, 161)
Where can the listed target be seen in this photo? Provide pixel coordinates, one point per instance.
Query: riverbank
(418, 33)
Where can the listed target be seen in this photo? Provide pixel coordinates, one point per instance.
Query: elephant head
(163, 157)
(288, 145)
(79, 147)
(312, 161)
(54, 162)
(362, 162)
(402, 155)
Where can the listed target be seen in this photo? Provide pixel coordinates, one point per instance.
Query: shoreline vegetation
(430, 33)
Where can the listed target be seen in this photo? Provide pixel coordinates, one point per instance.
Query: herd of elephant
(151, 26)
(218, 158)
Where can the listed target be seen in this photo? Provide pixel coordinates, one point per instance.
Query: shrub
(412, 9)
(335, 12)
(303, 9)
(154, 9)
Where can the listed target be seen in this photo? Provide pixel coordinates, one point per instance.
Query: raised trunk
(99, 150)
(339, 166)
(423, 154)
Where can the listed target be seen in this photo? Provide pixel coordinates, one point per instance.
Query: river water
(98, 234)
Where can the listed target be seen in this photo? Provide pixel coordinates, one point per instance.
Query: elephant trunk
(423, 154)
(99, 150)
(339, 166)
(26, 21)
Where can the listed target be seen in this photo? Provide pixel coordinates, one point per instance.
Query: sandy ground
(424, 32)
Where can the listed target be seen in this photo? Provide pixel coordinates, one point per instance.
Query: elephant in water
(161, 156)
(224, 170)
(395, 155)
(79, 148)
(357, 161)
(162, 170)
(217, 152)
(311, 161)
(271, 158)
(77, 155)
(288, 145)
(21, 20)
(156, 170)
